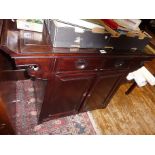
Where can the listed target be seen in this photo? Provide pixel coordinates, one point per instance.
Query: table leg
(131, 88)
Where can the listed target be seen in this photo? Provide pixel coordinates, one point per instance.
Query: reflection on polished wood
(129, 114)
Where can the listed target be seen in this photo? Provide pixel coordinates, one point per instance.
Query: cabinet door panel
(102, 91)
(65, 94)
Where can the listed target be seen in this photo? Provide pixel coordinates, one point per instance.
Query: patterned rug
(26, 118)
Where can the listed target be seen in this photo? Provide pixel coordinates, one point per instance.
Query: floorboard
(132, 114)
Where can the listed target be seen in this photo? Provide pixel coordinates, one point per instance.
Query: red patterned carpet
(26, 119)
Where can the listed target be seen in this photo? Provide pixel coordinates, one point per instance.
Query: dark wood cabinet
(65, 93)
(102, 90)
(66, 81)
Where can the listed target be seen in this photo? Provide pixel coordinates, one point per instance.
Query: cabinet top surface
(29, 43)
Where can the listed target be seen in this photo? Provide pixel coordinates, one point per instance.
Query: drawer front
(78, 64)
(37, 67)
(117, 63)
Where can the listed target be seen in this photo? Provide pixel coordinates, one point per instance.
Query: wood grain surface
(132, 114)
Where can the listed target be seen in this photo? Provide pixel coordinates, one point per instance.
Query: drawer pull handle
(81, 64)
(119, 64)
(34, 67)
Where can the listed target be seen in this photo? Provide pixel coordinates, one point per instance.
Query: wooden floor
(131, 114)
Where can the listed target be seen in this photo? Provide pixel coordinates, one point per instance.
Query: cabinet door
(102, 91)
(64, 94)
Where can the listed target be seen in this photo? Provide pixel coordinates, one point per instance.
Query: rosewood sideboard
(66, 81)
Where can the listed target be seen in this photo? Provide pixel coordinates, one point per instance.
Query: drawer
(78, 64)
(117, 63)
(36, 67)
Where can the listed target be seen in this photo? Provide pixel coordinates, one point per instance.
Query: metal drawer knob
(81, 64)
(119, 64)
(34, 67)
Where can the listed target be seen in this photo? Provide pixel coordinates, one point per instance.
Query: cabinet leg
(131, 88)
